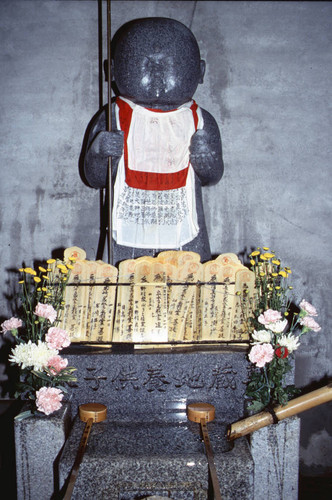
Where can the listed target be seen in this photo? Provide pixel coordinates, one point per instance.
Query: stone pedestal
(275, 450)
(147, 446)
(133, 461)
(38, 442)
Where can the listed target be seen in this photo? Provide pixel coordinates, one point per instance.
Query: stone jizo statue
(163, 146)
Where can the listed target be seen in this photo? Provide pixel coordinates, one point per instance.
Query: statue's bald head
(156, 62)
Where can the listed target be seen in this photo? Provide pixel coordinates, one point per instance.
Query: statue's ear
(202, 67)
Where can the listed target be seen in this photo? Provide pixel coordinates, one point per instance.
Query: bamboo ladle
(89, 413)
(203, 413)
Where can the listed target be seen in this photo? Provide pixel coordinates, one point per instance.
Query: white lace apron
(154, 193)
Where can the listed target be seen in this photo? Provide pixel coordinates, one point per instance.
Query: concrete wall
(267, 84)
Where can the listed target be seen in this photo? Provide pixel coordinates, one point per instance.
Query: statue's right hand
(108, 143)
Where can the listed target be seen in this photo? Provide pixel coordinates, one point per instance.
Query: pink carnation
(269, 316)
(48, 399)
(11, 324)
(308, 308)
(309, 323)
(46, 311)
(56, 364)
(261, 354)
(57, 338)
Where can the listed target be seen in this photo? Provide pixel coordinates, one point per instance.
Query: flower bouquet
(275, 326)
(44, 373)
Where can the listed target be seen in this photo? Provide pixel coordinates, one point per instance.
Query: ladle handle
(78, 459)
(209, 454)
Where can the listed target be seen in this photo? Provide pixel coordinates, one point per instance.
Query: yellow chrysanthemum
(290, 288)
(268, 255)
(252, 262)
(276, 262)
(265, 248)
(29, 270)
(50, 261)
(283, 274)
(238, 293)
(21, 269)
(42, 269)
(37, 279)
(46, 277)
(70, 266)
(254, 253)
(38, 289)
(274, 275)
(286, 313)
(72, 259)
(277, 287)
(288, 270)
(64, 270)
(44, 289)
(20, 282)
(261, 273)
(262, 257)
(61, 266)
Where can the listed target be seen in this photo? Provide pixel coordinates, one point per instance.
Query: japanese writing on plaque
(156, 378)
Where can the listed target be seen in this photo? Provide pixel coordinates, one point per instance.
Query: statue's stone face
(157, 62)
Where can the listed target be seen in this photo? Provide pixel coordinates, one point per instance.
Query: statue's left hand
(205, 157)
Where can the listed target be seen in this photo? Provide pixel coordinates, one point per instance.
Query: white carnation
(291, 342)
(262, 336)
(32, 355)
(278, 326)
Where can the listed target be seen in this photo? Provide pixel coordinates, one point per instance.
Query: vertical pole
(109, 129)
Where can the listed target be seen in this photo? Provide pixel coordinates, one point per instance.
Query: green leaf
(23, 415)
(256, 406)
(41, 375)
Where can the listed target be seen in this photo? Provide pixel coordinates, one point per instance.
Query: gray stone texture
(267, 83)
(38, 442)
(158, 386)
(147, 445)
(128, 461)
(275, 450)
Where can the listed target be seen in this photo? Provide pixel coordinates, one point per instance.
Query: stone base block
(38, 442)
(275, 450)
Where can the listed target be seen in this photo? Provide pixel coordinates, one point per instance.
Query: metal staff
(109, 129)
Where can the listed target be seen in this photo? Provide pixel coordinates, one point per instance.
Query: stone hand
(108, 144)
(205, 157)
